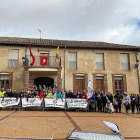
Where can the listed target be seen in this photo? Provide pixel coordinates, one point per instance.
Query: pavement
(42, 124)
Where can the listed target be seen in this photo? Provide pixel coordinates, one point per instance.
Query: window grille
(72, 58)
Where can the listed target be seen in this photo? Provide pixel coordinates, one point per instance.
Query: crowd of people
(105, 102)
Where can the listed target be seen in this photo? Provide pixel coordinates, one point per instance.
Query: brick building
(110, 67)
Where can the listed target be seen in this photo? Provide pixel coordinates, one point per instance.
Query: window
(125, 62)
(99, 61)
(118, 84)
(4, 81)
(13, 59)
(72, 58)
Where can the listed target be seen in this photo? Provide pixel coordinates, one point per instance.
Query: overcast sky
(113, 21)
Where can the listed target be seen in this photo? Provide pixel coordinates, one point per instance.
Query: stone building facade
(109, 67)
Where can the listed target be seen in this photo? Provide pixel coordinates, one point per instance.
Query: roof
(68, 43)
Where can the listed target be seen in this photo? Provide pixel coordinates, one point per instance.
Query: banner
(5, 102)
(31, 102)
(77, 103)
(55, 103)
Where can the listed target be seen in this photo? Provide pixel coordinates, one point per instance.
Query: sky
(112, 21)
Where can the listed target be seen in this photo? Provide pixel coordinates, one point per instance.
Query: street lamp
(137, 63)
(23, 60)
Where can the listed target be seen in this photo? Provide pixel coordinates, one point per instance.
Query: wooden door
(80, 84)
(118, 86)
(99, 85)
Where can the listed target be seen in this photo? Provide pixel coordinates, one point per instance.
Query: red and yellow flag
(57, 52)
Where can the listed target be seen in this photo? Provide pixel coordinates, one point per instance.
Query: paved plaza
(42, 124)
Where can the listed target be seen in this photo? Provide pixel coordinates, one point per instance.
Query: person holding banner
(84, 95)
(78, 95)
(2, 92)
(59, 95)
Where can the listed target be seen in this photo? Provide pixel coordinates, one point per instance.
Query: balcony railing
(125, 66)
(99, 65)
(52, 61)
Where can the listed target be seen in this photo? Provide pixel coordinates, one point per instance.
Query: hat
(125, 92)
(108, 92)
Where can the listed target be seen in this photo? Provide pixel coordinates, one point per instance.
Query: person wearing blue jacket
(59, 95)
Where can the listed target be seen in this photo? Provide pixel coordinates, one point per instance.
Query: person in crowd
(59, 95)
(15, 94)
(21, 94)
(10, 92)
(37, 94)
(126, 102)
(102, 93)
(34, 92)
(104, 101)
(116, 106)
(133, 99)
(49, 94)
(2, 92)
(6, 93)
(110, 97)
(119, 97)
(70, 94)
(42, 94)
(84, 95)
(78, 95)
(109, 107)
(99, 102)
(53, 95)
(63, 93)
(44, 86)
(137, 102)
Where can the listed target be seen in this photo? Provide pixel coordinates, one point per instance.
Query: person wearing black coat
(104, 101)
(99, 102)
(110, 97)
(70, 95)
(21, 94)
(15, 94)
(118, 97)
(133, 99)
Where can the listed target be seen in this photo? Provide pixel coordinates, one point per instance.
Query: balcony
(52, 61)
(99, 65)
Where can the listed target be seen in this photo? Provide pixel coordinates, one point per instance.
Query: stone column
(59, 84)
(26, 78)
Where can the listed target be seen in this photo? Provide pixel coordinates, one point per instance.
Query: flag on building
(57, 52)
(43, 60)
(31, 54)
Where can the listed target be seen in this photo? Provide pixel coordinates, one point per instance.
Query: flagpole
(40, 32)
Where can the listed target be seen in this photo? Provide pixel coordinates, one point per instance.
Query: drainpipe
(137, 66)
(64, 65)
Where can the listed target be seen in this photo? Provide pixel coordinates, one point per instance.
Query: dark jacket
(133, 99)
(118, 97)
(110, 97)
(21, 95)
(104, 99)
(71, 95)
(15, 94)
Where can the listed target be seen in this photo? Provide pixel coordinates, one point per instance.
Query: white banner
(55, 103)
(8, 102)
(31, 102)
(77, 103)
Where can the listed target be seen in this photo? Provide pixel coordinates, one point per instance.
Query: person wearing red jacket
(43, 102)
(42, 95)
(84, 95)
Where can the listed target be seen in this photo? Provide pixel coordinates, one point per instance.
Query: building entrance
(44, 80)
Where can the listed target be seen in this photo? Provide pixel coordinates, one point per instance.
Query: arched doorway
(44, 80)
